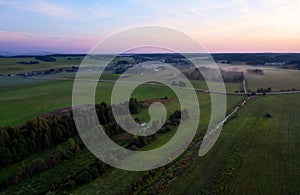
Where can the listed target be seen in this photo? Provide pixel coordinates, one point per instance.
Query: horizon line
(137, 53)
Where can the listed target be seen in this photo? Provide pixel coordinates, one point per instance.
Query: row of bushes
(39, 165)
(96, 169)
(17, 143)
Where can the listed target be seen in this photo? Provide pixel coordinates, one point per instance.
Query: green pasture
(22, 99)
(10, 65)
(255, 153)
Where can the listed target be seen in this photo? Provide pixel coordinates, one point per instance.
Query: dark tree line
(27, 63)
(39, 134)
(256, 71)
(97, 168)
(228, 76)
(17, 143)
(264, 90)
(194, 75)
(45, 58)
(39, 165)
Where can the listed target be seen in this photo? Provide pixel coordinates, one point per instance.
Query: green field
(254, 154)
(22, 99)
(11, 66)
(36, 97)
(23, 103)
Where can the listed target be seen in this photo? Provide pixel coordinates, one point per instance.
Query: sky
(67, 26)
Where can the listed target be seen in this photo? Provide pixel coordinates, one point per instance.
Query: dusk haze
(220, 26)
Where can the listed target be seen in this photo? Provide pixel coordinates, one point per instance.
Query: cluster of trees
(232, 76)
(176, 61)
(228, 76)
(86, 175)
(133, 105)
(149, 177)
(256, 71)
(97, 168)
(253, 58)
(27, 63)
(120, 70)
(194, 75)
(17, 143)
(264, 90)
(39, 165)
(177, 115)
(70, 58)
(293, 89)
(45, 58)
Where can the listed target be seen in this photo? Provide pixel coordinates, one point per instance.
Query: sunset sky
(65, 26)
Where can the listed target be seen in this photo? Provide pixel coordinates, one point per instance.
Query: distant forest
(287, 60)
(260, 58)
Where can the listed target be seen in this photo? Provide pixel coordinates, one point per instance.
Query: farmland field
(255, 154)
(10, 65)
(105, 183)
(149, 97)
(28, 98)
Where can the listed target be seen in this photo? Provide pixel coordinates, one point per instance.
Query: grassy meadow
(22, 99)
(10, 65)
(29, 98)
(254, 154)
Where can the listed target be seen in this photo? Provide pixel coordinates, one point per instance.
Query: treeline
(27, 63)
(17, 143)
(194, 75)
(257, 58)
(256, 71)
(97, 168)
(264, 90)
(86, 175)
(232, 76)
(228, 76)
(39, 165)
(45, 58)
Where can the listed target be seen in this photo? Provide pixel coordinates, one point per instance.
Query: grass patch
(253, 155)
